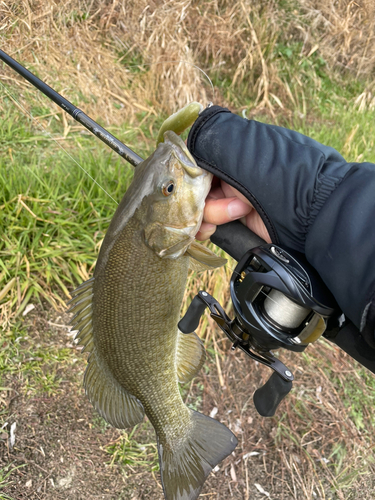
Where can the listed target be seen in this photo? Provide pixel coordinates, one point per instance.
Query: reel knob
(268, 397)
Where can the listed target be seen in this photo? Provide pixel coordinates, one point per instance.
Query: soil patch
(61, 444)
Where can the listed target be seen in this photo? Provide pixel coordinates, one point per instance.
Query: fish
(127, 317)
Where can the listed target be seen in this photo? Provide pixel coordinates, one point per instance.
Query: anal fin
(190, 356)
(117, 406)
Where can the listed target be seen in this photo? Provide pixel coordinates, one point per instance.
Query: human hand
(224, 204)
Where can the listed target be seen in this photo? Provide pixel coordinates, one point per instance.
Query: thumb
(225, 210)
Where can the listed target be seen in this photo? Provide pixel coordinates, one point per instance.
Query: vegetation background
(304, 64)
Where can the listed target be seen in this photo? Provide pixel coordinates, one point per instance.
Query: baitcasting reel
(279, 301)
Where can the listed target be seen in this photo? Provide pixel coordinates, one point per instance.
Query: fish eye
(168, 188)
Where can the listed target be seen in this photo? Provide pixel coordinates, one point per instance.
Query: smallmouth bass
(127, 315)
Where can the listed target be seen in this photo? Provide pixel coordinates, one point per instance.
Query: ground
(63, 449)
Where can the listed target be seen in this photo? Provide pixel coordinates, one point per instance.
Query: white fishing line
(56, 141)
(175, 62)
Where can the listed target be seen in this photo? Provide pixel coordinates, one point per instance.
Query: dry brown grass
(78, 46)
(344, 31)
(311, 449)
(316, 447)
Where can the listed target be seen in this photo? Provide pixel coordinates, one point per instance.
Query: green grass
(193, 401)
(30, 362)
(5, 481)
(129, 450)
(53, 216)
(360, 408)
(132, 60)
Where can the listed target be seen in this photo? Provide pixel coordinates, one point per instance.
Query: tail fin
(185, 468)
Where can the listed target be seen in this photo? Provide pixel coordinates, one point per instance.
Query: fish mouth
(190, 167)
(182, 154)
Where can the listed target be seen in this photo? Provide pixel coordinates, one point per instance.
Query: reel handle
(268, 397)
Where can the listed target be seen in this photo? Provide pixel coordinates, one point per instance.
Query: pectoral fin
(203, 258)
(190, 356)
(167, 242)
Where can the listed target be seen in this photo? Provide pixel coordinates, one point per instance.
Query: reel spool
(280, 298)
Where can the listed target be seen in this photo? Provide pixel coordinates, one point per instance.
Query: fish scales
(130, 322)
(127, 316)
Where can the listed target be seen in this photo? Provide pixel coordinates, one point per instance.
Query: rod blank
(100, 132)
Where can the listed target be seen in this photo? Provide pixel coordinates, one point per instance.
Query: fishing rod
(120, 148)
(225, 236)
(278, 298)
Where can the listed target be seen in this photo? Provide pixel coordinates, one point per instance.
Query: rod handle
(236, 239)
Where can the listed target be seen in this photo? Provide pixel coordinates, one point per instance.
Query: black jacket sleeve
(308, 196)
